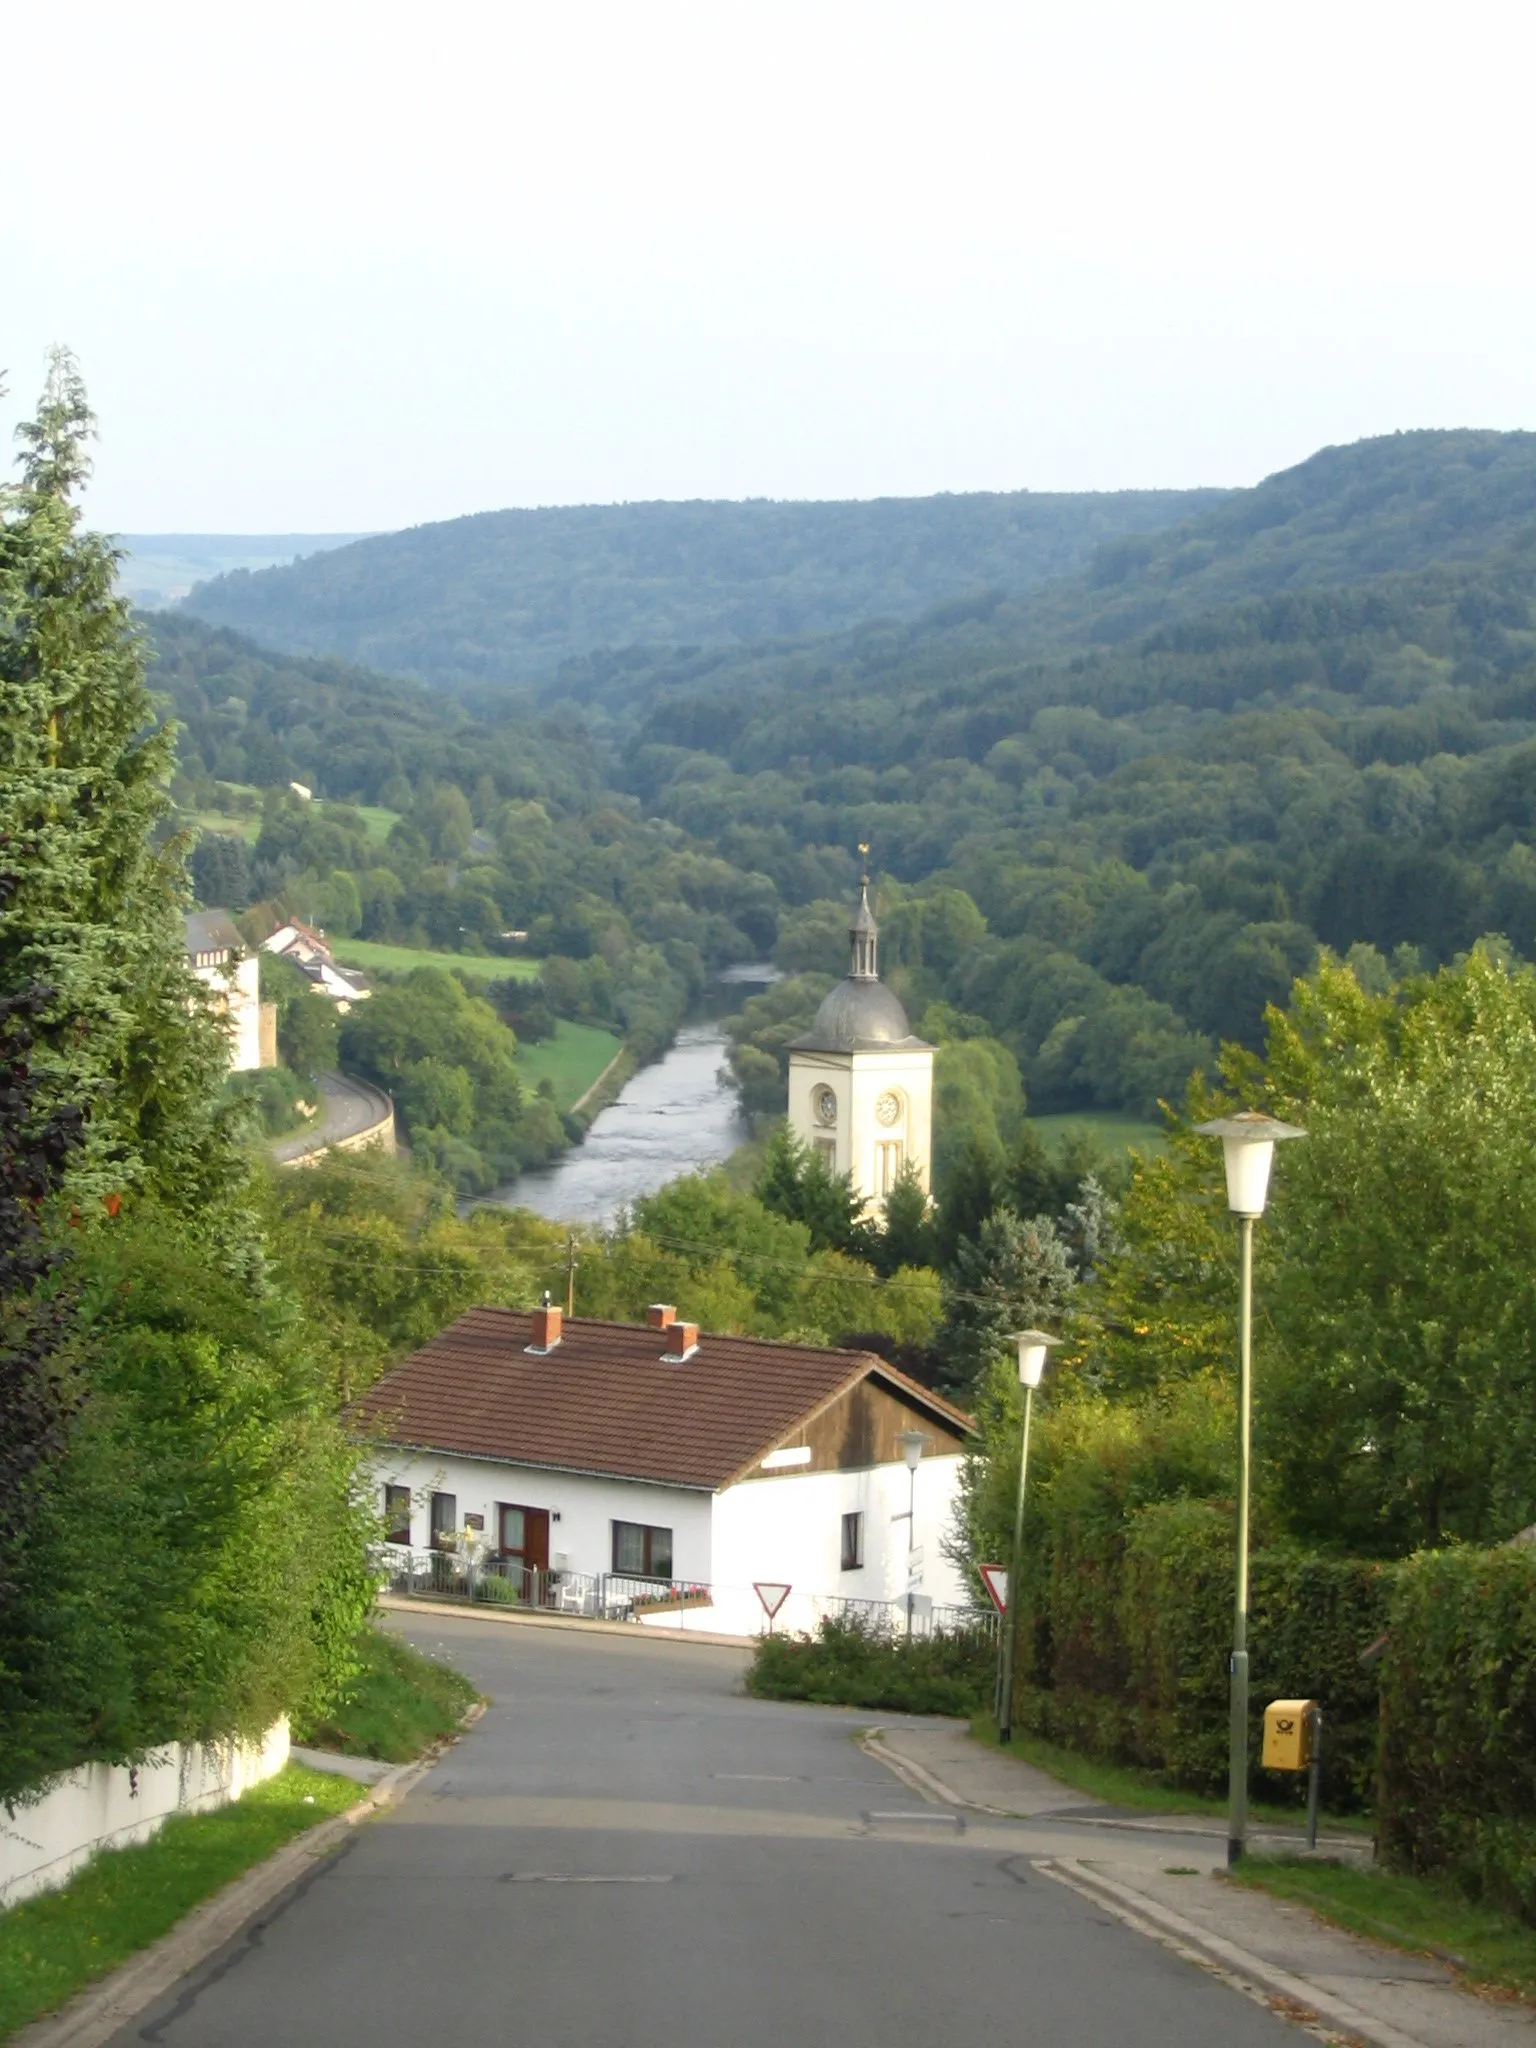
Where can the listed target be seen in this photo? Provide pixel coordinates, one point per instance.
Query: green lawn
(378, 820)
(399, 1705)
(571, 1060)
(1107, 1127)
(248, 829)
(1412, 1913)
(124, 1899)
(372, 953)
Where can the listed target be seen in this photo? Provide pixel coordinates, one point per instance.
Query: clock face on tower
(826, 1106)
(888, 1109)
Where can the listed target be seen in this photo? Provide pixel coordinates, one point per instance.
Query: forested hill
(1377, 507)
(1102, 855)
(507, 596)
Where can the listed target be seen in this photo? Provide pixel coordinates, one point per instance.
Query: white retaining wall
(107, 1806)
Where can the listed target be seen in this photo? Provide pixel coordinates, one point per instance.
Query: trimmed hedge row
(1458, 1723)
(1128, 1632)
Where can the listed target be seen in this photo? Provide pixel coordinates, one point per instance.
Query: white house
(225, 965)
(860, 1082)
(311, 954)
(622, 1462)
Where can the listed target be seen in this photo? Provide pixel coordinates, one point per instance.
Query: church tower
(860, 1084)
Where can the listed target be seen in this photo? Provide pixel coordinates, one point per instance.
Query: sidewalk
(1343, 1988)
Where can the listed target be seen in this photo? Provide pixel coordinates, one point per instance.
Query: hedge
(848, 1665)
(1458, 1724)
(1129, 1629)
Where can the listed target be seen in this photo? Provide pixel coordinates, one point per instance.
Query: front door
(524, 1534)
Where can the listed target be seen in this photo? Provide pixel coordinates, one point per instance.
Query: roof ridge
(490, 1308)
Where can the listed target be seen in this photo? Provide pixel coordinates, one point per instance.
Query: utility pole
(571, 1263)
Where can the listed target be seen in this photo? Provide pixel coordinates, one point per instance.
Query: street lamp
(1033, 1348)
(913, 1444)
(1248, 1141)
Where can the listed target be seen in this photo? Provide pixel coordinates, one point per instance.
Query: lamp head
(1248, 1141)
(1033, 1347)
(913, 1444)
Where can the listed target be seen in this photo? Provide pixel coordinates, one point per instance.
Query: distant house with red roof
(595, 1464)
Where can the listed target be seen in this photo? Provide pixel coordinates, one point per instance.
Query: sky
(357, 266)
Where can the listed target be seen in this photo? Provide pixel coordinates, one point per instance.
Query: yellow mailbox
(1288, 1726)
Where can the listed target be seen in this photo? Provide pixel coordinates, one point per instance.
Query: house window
(397, 1514)
(853, 1542)
(889, 1154)
(445, 1520)
(640, 1552)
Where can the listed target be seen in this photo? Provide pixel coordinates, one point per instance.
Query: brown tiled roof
(603, 1402)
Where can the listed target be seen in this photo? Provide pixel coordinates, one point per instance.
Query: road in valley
(349, 1107)
(625, 1853)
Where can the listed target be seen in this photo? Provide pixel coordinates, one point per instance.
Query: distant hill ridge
(1346, 515)
(506, 597)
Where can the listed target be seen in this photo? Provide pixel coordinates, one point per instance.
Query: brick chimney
(546, 1327)
(685, 1341)
(661, 1315)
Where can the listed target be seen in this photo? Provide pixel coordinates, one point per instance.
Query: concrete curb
(1323, 2013)
(98, 2011)
(630, 1631)
(921, 1780)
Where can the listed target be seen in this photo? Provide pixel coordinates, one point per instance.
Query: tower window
(826, 1152)
(889, 1156)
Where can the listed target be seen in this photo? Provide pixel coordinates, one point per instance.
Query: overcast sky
(336, 266)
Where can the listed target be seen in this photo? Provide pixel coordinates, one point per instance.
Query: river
(670, 1118)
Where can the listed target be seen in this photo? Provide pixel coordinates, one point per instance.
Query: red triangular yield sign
(772, 1596)
(995, 1578)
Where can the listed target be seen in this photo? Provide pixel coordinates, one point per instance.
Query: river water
(672, 1117)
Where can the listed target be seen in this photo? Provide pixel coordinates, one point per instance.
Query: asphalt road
(624, 1853)
(349, 1106)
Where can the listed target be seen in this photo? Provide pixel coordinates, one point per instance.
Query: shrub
(851, 1664)
(1458, 1723)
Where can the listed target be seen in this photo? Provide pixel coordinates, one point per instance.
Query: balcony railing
(687, 1603)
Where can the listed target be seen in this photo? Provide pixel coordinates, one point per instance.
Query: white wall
(787, 1528)
(107, 1806)
(790, 1528)
(587, 1508)
(237, 993)
(858, 1080)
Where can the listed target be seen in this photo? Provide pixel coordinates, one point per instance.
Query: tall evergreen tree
(94, 884)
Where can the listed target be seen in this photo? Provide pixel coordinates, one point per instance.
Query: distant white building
(310, 952)
(230, 971)
(860, 1082)
(664, 1471)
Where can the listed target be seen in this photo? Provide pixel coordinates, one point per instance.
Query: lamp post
(913, 1444)
(1034, 1345)
(1248, 1142)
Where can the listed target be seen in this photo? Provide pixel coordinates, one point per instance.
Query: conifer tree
(94, 884)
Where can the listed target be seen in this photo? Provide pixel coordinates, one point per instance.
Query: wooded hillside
(507, 596)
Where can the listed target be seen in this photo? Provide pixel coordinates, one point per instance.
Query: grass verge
(1123, 1785)
(570, 1061)
(400, 1704)
(374, 954)
(1412, 1913)
(124, 1899)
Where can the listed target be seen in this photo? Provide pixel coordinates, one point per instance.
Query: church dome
(855, 1014)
